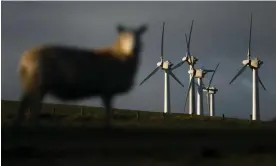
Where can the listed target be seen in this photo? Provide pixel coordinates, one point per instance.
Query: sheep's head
(126, 42)
(128, 39)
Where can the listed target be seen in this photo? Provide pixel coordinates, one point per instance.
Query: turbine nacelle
(253, 63)
(211, 90)
(165, 64)
(256, 63)
(200, 73)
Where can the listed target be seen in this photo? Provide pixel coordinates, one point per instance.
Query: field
(74, 136)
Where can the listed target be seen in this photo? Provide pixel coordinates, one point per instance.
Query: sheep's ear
(120, 28)
(142, 29)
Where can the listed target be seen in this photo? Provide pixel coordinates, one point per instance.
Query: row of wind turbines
(199, 74)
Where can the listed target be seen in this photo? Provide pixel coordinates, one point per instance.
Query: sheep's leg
(107, 102)
(24, 104)
(37, 105)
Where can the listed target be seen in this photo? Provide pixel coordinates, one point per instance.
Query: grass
(71, 114)
(66, 135)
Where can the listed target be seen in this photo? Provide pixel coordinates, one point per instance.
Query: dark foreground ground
(76, 140)
(96, 146)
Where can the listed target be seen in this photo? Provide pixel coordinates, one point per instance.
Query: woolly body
(73, 73)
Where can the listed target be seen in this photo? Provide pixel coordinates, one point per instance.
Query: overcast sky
(220, 34)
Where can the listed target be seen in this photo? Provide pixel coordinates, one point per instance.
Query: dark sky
(220, 34)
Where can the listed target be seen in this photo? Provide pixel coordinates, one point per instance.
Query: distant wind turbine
(200, 74)
(166, 67)
(191, 60)
(254, 65)
(210, 94)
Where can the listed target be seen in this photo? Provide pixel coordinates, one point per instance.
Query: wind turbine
(210, 93)
(254, 64)
(200, 73)
(166, 67)
(191, 60)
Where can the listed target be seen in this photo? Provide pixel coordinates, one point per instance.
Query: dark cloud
(220, 35)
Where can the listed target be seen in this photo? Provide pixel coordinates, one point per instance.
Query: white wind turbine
(191, 60)
(200, 73)
(166, 67)
(254, 65)
(210, 93)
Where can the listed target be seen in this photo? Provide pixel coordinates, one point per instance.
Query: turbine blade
(153, 72)
(162, 42)
(191, 29)
(187, 45)
(250, 34)
(213, 75)
(203, 85)
(186, 38)
(188, 54)
(260, 81)
(176, 79)
(177, 65)
(188, 92)
(209, 71)
(187, 95)
(238, 74)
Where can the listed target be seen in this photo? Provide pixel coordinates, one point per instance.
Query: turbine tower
(254, 64)
(191, 60)
(166, 67)
(210, 93)
(200, 73)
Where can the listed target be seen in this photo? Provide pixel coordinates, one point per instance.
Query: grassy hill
(73, 135)
(75, 113)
